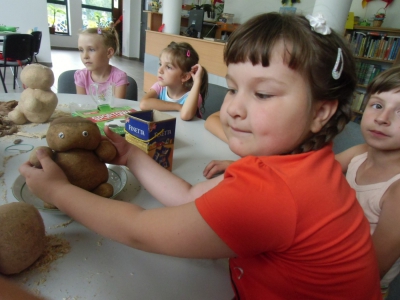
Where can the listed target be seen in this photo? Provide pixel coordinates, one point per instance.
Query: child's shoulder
(115, 70)
(82, 72)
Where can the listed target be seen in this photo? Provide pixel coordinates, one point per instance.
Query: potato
(22, 237)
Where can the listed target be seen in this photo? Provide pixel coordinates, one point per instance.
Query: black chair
(37, 38)
(131, 90)
(17, 52)
(66, 82)
(215, 96)
(66, 85)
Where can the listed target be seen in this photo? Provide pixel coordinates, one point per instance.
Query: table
(99, 268)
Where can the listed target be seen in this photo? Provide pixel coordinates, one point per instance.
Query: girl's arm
(213, 125)
(386, 237)
(177, 231)
(190, 106)
(120, 91)
(80, 90)
(346, 156)
(165, 186)
(150, 101)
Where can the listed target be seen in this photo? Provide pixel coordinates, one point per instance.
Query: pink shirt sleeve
(80, 78)
(157, 88)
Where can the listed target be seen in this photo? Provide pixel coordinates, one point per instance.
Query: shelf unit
(375, 49)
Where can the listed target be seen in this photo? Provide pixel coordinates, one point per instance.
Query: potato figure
(38, 101)
(77, 147)
(22, 237)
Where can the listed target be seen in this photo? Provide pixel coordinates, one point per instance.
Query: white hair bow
(318, 24)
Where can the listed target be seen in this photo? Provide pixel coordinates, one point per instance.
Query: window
(96, 13)
(57, 15)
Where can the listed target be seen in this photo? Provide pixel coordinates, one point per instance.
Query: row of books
(366, 72)
(358, 103)
(374, 45)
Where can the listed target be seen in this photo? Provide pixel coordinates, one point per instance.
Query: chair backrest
(131, 90)
(18, 46)
(66, 82)
(37, 38)
(215, 96)
(349, 137)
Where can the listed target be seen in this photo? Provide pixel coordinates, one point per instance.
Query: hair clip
(99, 31)
(318, 24)
(336, 72)
(188, 53)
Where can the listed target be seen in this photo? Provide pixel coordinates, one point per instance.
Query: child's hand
(216, 167)
(196, 72)
(124, 149)
(42, 181)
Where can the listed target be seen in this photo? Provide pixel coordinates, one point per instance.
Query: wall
(27, 15)
(33, 13)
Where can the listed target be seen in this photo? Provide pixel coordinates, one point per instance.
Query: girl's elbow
(186, 116)
(143, 104)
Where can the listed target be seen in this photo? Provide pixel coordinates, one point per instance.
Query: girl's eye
(231, 91)
(263, 96)
(376, 105)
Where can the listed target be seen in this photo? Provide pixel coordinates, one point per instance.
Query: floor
(64, 60)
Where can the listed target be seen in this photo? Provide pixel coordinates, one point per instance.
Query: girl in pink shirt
(97, 46)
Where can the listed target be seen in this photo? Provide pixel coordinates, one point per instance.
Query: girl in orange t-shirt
(284, 214)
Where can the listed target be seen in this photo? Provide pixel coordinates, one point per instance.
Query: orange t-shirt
(296, 227)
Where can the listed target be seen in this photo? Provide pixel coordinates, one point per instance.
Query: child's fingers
(111, 135)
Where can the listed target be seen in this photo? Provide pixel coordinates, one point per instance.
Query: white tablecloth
(99, 268)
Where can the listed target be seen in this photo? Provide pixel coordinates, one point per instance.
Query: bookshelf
(375, 49)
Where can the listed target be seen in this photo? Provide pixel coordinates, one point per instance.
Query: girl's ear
(323, 111)
(185, 77)
(110, 52)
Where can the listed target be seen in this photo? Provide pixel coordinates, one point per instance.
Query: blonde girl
(182, 83)
(97, 46)
(283, 214)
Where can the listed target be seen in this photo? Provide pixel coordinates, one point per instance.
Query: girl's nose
(236, 105)
(160, 70)
(383, 118)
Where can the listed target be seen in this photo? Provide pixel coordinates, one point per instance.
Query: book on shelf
(358, 99)
(366, 72)
(374, 45)
(363, 104)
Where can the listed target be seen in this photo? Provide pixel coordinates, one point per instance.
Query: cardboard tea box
(153, 132)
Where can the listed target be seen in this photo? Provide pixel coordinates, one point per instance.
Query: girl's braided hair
(185, 57)
(308, 52)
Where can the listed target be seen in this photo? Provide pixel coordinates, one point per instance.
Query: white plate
(117, 177)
